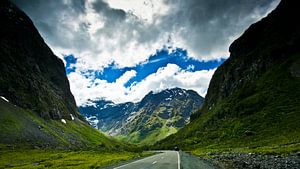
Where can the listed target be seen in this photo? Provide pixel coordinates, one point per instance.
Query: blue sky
(162, 57)
(151, 65)
(155, 63)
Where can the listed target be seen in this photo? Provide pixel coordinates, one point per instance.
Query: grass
(62, 159)
(29, 141)
(158, 134)
(267, 150)
(24, 128)
(153, 135)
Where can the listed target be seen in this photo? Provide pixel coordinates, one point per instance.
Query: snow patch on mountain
(2, 97)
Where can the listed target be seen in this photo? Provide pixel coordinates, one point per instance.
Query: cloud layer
(117, 35)
(100, 32)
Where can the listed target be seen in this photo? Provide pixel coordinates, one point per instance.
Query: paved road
(169, 160)
(164, 160)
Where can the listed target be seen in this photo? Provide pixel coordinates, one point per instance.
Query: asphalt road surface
(168, 160)
(164, 160)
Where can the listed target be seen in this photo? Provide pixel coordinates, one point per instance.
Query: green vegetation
(155, 128)
(151, 138)
(262, 116)
(62, 159)
(29, 141)
(23, 128)
(267, 150)
(152, 119)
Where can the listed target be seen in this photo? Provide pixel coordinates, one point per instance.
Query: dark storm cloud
(114, 14)
(204, 27)
(210, 24)
(49, 16)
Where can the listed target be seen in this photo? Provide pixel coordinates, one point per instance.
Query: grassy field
(62, 159)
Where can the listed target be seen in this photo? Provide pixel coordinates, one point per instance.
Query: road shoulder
(189, 161)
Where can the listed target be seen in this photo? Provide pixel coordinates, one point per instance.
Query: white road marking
(135, 162)
(154, 162)
(178, 160)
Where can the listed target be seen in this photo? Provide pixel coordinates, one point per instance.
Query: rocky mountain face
(263, 46)
(156, 116)
(31, 76)
(37, 109)
(253, 97)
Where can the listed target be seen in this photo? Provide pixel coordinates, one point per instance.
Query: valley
(248, 119)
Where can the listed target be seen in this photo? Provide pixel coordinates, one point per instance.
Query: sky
(120, 50)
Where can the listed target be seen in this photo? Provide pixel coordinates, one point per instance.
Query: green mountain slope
(23, 128)
(160, 115)
(253, 99)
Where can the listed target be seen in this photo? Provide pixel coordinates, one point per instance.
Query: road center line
(137, 161)
(178, 160)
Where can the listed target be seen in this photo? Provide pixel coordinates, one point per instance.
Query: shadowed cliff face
(262, 46)
(31, 76)
(34, 90)
(253, 97)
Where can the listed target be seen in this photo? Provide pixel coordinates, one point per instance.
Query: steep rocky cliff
(31, 76)
(37, 108)
(263, 46)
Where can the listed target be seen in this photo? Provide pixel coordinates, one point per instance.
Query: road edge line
(178, 160)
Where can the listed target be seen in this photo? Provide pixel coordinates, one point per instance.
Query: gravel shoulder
(257, 161)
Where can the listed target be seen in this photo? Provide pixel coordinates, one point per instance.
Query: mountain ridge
(129, 120)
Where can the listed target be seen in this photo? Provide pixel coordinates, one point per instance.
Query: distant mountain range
(155, 117)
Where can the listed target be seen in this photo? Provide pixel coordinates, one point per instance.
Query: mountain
(156, 116)
(252, 103)
(36, 105)
(31, 75)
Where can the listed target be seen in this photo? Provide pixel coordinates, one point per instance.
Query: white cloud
(172, 76)
(125, 77)
(85, 89)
